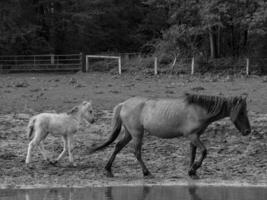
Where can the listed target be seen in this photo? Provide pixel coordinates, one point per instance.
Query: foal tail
(30, 128)
(116, 128)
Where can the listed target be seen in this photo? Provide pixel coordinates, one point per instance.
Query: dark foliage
(213, 29)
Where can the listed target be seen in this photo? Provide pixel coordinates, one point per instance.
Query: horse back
(131, 112)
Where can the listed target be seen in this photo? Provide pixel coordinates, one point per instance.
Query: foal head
(84, 111)
(87, 111)
(238, 115)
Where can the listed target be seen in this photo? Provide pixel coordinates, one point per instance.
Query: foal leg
(29, 152)
(203, 150)
(35, 141)
(70, 141)
(137, 151)
(119, 146)
(64, 149)
(43, 151)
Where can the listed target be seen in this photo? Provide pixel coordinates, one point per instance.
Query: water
(138, 193)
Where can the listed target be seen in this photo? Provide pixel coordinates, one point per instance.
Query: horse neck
(223, 110)
(216, 107)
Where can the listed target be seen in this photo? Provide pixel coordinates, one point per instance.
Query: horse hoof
(109, 174)
(194, 177)
(148, 175)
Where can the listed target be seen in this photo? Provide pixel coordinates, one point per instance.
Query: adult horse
(171, 118)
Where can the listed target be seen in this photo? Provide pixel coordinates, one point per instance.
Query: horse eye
(90, 111)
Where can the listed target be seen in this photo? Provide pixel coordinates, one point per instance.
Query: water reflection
(48, 194)
(192, 193)
(138, 193)
(132, 193)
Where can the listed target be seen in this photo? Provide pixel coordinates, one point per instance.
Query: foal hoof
(73, 164)
(53, 162)
(29, 166)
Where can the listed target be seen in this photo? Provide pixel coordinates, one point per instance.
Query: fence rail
(48, 62)
(250, 65)
(186, 65)
(131, 62)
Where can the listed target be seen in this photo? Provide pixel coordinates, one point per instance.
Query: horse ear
(244, 96)
(187, 94)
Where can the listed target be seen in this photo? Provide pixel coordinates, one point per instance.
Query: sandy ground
(231, 158)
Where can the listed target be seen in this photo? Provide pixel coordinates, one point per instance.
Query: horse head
(239, 115)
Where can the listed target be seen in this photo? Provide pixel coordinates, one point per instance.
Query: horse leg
(137, 151)
(203, 150)
(193, 149)
(119, 146)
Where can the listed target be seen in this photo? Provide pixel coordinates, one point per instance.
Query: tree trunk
(233, 40)
(218, 42)
(212, 44)
(245, 38)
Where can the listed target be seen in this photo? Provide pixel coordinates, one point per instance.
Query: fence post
(155, 66)
(247, 66)
(119, 63)
(16, 61)
(193, 66)
(86, 64)
(52, 59)
(81, 62)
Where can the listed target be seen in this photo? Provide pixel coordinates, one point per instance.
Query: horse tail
(31, 128)
(116, 128)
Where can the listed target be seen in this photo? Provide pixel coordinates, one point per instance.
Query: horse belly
(163, 133)
(164, 123)
(163, 130)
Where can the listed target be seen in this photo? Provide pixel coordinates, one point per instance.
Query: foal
(171, 118)
(62, 124)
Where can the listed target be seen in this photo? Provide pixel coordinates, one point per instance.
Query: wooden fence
(253, 65)
(47, 63)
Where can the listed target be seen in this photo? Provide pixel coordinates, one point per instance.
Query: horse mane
(215, 105)
(211, 103)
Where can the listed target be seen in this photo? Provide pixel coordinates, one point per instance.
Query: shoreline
(139, 183)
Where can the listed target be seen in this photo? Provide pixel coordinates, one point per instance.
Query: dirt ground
(231, 157)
